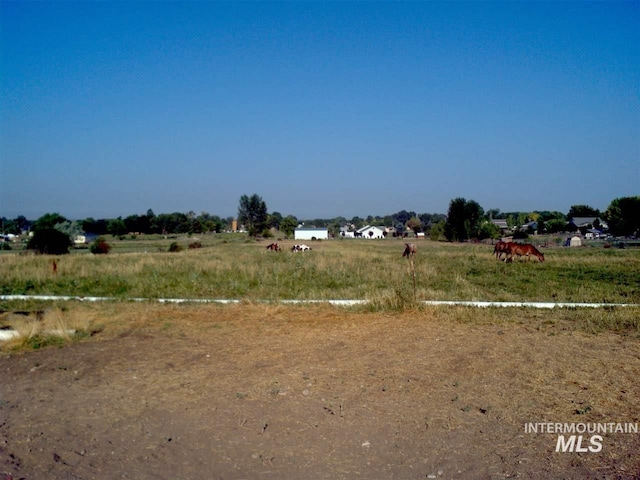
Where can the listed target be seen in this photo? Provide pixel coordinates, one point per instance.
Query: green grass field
(234, 267)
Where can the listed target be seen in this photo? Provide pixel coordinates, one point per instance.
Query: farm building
(588, 222)
(346, 232)
(371, 232)
(310, 233)
(575, 241)
(501, 224)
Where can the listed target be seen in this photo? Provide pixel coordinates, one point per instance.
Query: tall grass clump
(45, 328)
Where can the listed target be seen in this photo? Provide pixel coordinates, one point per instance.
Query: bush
(196, 244)
(50, 241)
(175, 247)
(100, 247)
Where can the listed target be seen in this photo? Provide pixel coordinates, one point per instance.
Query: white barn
(309, 233)
(371, 232)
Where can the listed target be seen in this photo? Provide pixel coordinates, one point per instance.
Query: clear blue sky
(321, 108)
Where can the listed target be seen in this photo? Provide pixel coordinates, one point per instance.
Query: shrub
(100, 246)
(196, 244)
(49, 240)
(175, 247)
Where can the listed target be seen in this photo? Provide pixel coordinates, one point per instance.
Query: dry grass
(51, 326)
(431, 388)
(334, 269)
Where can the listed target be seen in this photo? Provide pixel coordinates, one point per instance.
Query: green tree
(48, 220)
(90, 225)
(273, 220)
(556, 225)
(488, 229)
(288, 225)
(252, 213)
(437, 230)
(116, 226)
(50, 241)
(463, 220)
(414, 224)
(623, 216)
(71, 229)
(582, 211)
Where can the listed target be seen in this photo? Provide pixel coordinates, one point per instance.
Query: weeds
(45, 328)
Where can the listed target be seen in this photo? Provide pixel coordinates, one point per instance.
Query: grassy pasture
(434, 380)
(231, 266)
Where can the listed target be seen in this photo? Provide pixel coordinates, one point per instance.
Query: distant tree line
(148, 223)
(465, 220)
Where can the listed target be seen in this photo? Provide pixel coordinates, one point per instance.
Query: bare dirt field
(316, 392)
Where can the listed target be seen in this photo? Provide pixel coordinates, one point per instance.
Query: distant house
(501, 223)
(371, 232)
(588, 222)
(346, 232)
(593, 233)
(85, 238)
(311, 233)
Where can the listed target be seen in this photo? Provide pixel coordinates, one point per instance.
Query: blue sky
(324, 109)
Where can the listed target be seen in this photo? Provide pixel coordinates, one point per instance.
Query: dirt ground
(276, 392)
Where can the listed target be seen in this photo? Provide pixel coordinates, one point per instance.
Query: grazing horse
(300, 248)
(523, 250)
(410, 250)
(500, 248)
(274, 247)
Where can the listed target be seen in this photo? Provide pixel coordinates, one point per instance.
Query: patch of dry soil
(245, 392)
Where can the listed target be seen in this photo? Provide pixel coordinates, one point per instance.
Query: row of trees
(465, 219)
(148, 223)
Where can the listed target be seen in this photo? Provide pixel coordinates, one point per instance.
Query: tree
(49, 240)
(273, 220)
(403, 216)
(414, 224)
(463, 220)
(488, 229)
(437, 230)
(90, 225)
(623, 216)
(288, 225)
(582, 211)
(116, 227)
(252, 213)
(48, 220)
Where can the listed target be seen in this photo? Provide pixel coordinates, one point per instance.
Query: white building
(309, 233)
(371, 232)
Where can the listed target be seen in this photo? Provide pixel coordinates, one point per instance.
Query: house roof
(312, 229)
(500, 222)
(583, 221)
(367, 227)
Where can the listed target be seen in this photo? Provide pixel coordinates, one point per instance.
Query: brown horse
(410, 250)
(525, 250)
(501, 248)
(274, 247)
